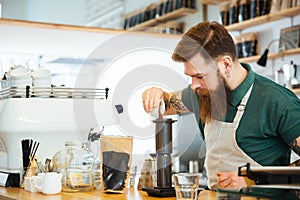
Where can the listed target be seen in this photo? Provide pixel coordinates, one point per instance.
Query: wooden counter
(16, 193)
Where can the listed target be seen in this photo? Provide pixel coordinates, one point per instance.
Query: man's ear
(227, 60)
(225, 65)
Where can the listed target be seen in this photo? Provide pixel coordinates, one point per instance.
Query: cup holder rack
(53, 92)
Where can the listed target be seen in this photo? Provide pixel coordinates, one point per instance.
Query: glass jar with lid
(76, 162)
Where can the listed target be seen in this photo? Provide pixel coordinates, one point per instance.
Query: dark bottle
(146, 14)
(152, 10)
(244, 10)
(160, 10)
(233, 12)
(239, 46)
(178, 4)
(224, 13)
(265, 7)
(192, 4)
(134, 20)
(137, 18)
(253, 9)
(130, 20)
(142, 16)
(125, 25)
(169, 6)
(249, 44)
(189, 3)
(239, 50)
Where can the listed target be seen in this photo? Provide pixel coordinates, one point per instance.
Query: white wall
(52, 11)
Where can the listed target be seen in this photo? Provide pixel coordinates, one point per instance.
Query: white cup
(41, 78)
(186, 186)
(21, 76)
(49, 183)
(158, 110)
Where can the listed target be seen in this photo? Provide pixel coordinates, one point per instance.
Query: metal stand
(163, 155)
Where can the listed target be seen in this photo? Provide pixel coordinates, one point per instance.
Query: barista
(244, 117)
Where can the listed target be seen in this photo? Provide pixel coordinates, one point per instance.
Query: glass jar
(76, 162)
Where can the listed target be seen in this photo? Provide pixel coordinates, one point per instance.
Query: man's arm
(174, 104)
(173, 101)
(295, 145)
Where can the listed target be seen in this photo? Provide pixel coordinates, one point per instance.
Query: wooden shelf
(271, 56)
(167, 17)
(17, 22)
(13, 22)
(213, 2)
(290, 12)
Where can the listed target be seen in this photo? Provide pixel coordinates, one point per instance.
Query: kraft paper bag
(115, 158)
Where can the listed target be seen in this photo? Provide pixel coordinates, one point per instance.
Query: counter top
(132, 194)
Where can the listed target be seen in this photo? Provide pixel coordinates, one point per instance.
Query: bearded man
(244, 117)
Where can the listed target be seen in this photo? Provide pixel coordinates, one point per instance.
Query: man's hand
(230, 180)
(151, 98)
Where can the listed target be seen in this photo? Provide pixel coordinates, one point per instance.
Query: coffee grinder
(163, 140)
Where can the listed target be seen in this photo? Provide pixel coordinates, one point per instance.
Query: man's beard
(213, 102)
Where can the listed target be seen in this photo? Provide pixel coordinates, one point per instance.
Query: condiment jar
(76, 162)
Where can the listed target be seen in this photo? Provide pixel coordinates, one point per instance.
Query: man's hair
(210, 39)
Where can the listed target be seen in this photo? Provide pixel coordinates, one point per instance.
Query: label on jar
(79, 179)
(75, 179)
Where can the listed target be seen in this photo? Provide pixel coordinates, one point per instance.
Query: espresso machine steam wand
(163, 140)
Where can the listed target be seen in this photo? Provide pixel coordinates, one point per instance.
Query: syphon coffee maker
(163, 140)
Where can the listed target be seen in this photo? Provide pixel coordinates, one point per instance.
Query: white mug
(49, 183)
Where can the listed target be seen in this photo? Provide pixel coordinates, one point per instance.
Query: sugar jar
(76, 162)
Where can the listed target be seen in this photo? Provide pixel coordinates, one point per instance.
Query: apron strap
(241, 108)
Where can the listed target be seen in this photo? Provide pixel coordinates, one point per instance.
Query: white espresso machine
(50, 116)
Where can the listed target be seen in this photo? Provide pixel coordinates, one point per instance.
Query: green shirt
(270, 122)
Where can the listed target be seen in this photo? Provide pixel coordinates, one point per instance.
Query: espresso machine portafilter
(163, 140)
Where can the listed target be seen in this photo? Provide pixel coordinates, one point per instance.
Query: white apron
(222, 152)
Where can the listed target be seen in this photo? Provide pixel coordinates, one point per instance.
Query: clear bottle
(97, 175)
(76, 162)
